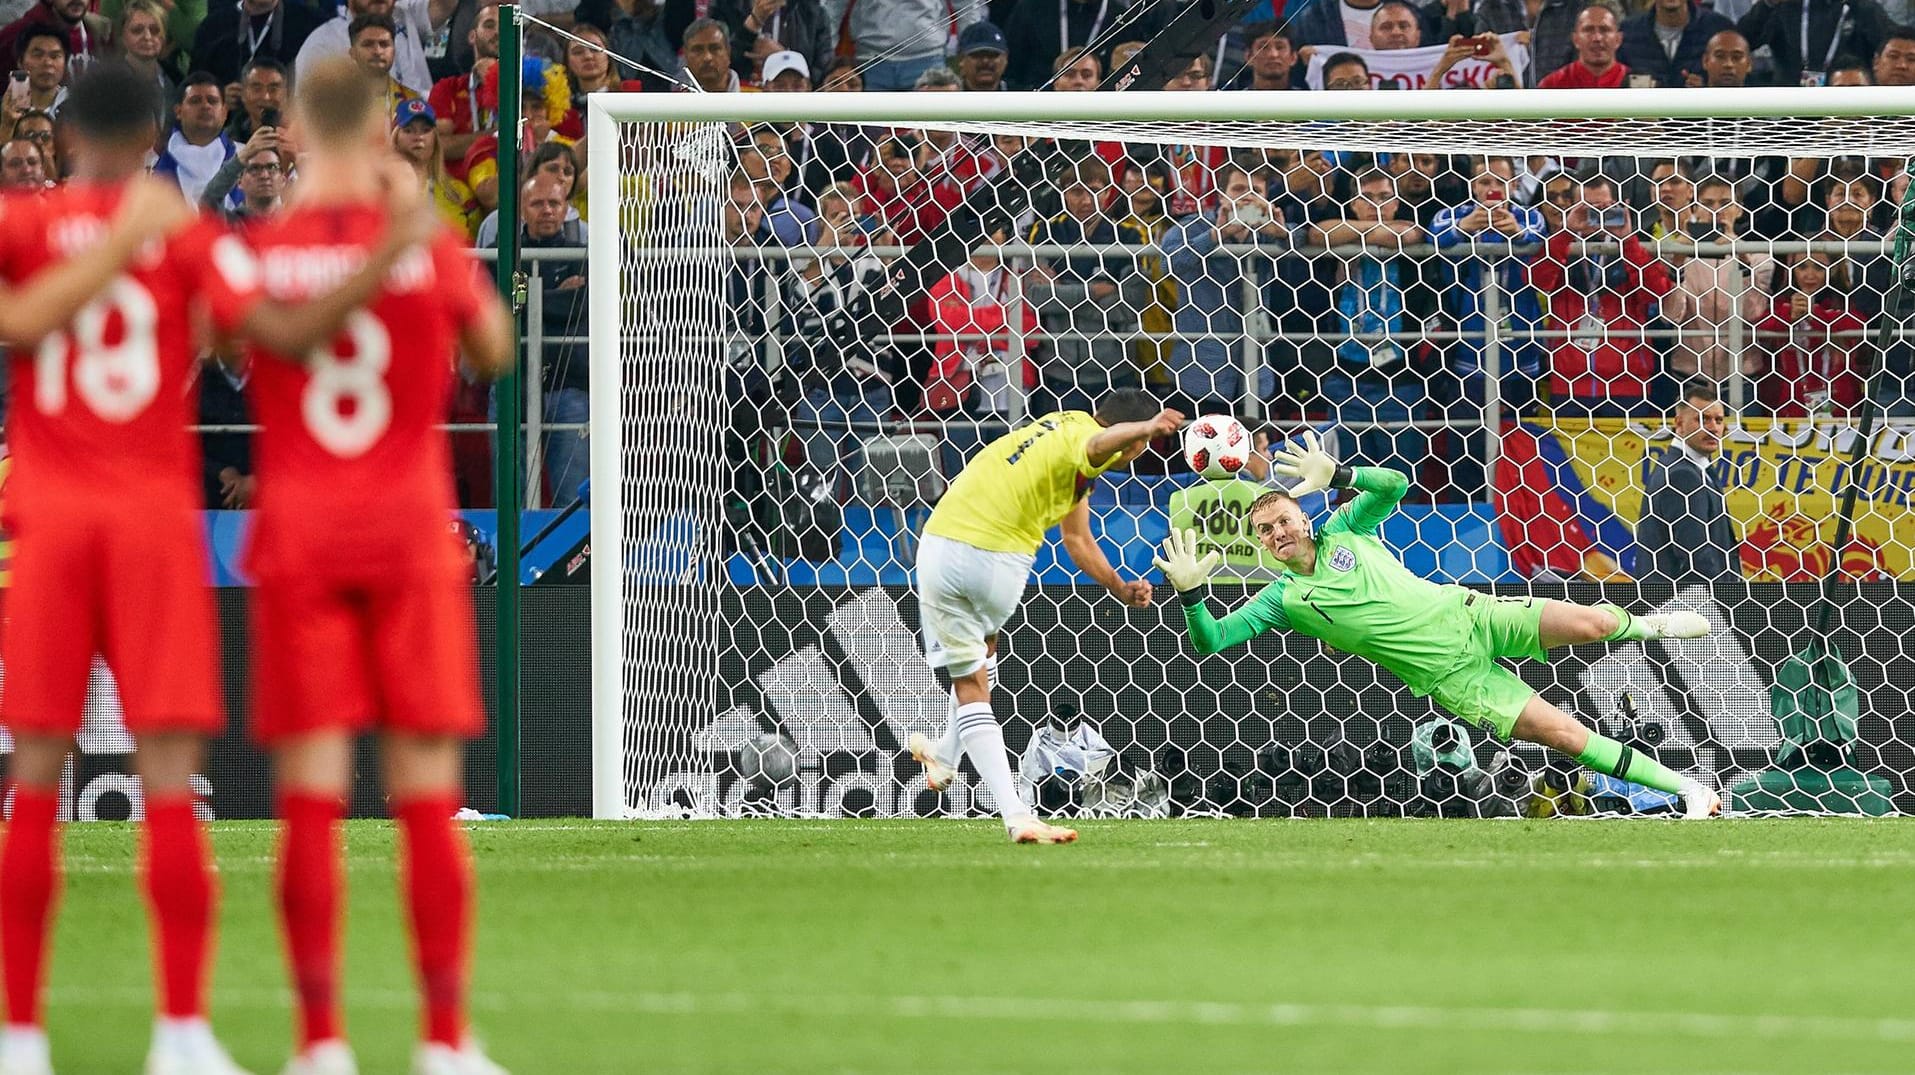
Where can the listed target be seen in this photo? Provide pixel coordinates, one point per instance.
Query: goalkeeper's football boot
(1678, 624)
(937, 775)
(24, 1051)
(191, 1051)
(1700, 801)
(1029, 830)
(330, 1057)
(433, 1058)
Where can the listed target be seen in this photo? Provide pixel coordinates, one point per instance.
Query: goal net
(1631, 346)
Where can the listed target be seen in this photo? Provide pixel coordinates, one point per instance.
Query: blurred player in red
(104, 505)
(361, 614)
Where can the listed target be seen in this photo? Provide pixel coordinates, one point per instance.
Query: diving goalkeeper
(1344, 586)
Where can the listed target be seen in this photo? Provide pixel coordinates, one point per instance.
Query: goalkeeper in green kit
(1344, 586)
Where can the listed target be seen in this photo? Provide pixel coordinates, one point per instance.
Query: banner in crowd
(1410, 69)
(1569, 494)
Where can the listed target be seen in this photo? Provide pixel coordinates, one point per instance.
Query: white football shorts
(965, 595)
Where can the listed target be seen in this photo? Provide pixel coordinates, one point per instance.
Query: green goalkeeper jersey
(1360, 599)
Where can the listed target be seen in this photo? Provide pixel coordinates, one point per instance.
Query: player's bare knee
(319, 763)
(167, 761)
(38, 760)
(420, 765)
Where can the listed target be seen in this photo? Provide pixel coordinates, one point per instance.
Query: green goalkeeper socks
(1605, 755)
(1628, 627)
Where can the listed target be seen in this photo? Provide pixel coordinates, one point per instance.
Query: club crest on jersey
(1343, 559)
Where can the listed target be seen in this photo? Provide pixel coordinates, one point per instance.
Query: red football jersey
(101, 408)
(355, 480)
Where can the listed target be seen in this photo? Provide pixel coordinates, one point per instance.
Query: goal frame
(606, 111)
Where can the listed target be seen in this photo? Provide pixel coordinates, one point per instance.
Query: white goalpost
(764, 449)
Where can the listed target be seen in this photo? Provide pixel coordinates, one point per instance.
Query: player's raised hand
(149, 209)
(1167, 422)
(1313, 467)
(1180, 564)
(1135, 593)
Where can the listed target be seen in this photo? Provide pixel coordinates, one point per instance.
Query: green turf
(1189, 946)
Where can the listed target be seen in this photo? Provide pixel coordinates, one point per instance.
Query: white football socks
(984, 742)
(951, 748)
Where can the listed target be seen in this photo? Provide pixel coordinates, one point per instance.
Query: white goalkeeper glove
(1314, 468)
(1180, 564)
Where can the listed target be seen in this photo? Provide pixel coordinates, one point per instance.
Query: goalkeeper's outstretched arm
(1379, 490)
(1187, 572)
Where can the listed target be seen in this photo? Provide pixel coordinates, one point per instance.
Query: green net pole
(1896, 306)
(511, 396)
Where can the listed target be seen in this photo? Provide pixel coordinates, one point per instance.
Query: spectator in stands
(1857, 28)
(1666, 42)
(1486, 47)
(140, 36)
(1599, 302)
(1895, 59)
(1087, 304)
(1187, 172)
(415, 22)
(763, 28)
(898, 40)
(972, 311)
(82, 36)
(562, 367)
(1815, 344)
(1035, 27)
(1270, 58)
(1712, 291)
(1381, 306)
(1415, 177)
(262, 185)
(839, 310)
(234, 35)
(1850, 71)
(1076, 71)
(895, 189)
(1490, 218)
(227, 455)
(1551, 25)
(1335, 26)
(41, 52)
(198, 145)
(455, 99)
(415, 135)
(842, 77)
(981, 59)
(543, 81)
(1684, 533)
(1140, 211)
(1848, 205)
(1346, 71)
(639, 29)
(554, 160)
(37, 127)
(262, 99)
(708, 58)
(1205, 360)
(1726, 61)
(1675, 195)
(23, 166)
(1394, 25)
(1597, 39)
(770, 167)
(372, 37)
(787, 72)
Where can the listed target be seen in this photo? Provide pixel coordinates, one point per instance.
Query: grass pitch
(1178, 946)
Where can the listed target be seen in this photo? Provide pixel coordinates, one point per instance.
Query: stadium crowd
(1350, 287)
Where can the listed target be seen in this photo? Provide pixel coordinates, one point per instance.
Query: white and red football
(1216, 445)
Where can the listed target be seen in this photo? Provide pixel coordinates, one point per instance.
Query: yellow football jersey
(1021, 484)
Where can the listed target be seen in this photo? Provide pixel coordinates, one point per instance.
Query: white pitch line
(1589, 1021)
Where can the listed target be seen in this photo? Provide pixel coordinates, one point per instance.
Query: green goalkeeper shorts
(1481, 691)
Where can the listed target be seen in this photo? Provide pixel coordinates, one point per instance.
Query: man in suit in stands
(1685, 533)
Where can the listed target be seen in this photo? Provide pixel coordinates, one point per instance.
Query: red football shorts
(398, 654)
(127, 582)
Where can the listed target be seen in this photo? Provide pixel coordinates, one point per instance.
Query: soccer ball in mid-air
(767, 760)
(1216, 445)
